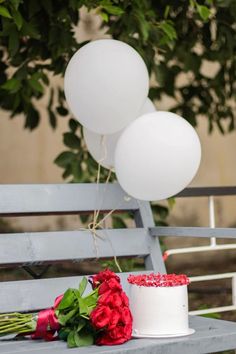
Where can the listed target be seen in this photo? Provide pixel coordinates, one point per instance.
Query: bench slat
(38, 199)
(39, 247)
(30, 295)
(207, 191)
(218, 232)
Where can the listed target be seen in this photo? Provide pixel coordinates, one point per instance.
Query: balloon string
(92, 226)
(96, 212)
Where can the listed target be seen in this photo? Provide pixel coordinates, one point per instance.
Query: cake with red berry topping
(159, 305)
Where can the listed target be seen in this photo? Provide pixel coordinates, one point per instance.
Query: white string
(94, 224)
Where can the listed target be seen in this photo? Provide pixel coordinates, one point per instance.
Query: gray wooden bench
(26, 249)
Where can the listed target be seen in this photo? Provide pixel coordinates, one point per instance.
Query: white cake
(159, 305)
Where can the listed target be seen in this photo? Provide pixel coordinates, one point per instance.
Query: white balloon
(106, 84)
(102, 147)
(148, 107)
(157, 156)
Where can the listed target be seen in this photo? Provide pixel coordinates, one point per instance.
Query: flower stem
(17, 323)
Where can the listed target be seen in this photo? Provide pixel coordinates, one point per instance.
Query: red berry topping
(159, 280)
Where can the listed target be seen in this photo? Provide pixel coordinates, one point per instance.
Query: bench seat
(210, 336)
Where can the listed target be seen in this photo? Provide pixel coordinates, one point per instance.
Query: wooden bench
(27, 249)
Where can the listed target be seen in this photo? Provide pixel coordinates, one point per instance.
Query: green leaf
(13, 44)
(162, 73)
(4, 12)
(17, 18)
(71, 340)
(83, 308)
(16, 3)
(13, 85)
(203, 12)
(62, 111)
(67, 172)
(220, 126)
(51, 98)
(192, 62)
(32, 118)
(160, 210)
(63, 333)
(104, 16)
(83, 338)
(65, 158)
(67, 300)
(83, 285)
(112, 10)
(71, 140)
(118, 222)
(45, 79)
(77, 171)
(52, 119)
(21, 73)
(81, 324)
(47, 5)
(64, 318)
(30, 29)
(35, 85)
(168, 29)
(91, 301)
(73, 124)
(167, 11)
(84, 218)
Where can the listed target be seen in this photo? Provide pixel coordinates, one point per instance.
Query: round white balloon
(157, 156)
(102, 147)
(106, 84)
(148, 107)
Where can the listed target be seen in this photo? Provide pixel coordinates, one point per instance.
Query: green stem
(14, 314)
(17, 329)
(14, 324)
(17, 323)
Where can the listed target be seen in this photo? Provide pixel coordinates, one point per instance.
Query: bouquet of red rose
(102, 317)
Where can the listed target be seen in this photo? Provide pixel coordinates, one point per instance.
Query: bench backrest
(25, 249)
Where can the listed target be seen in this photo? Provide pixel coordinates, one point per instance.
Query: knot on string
(47, 323)
(127, 198)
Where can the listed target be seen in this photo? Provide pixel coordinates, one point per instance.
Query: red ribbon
(47, 323)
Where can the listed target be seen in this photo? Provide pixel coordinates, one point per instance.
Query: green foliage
(73, 315)
(214, 315)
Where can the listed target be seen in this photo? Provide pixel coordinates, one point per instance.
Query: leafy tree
(174, 37)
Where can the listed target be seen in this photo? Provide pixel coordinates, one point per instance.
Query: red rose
(118, 335)
(100, 317)
(102, 276)
(124, 298)
(119, 329)
(114, 320)
(118, 332)
(105, 339)
(126, 316)
(111, 299)
(104, 298)
(115, 300)
(110, 284)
